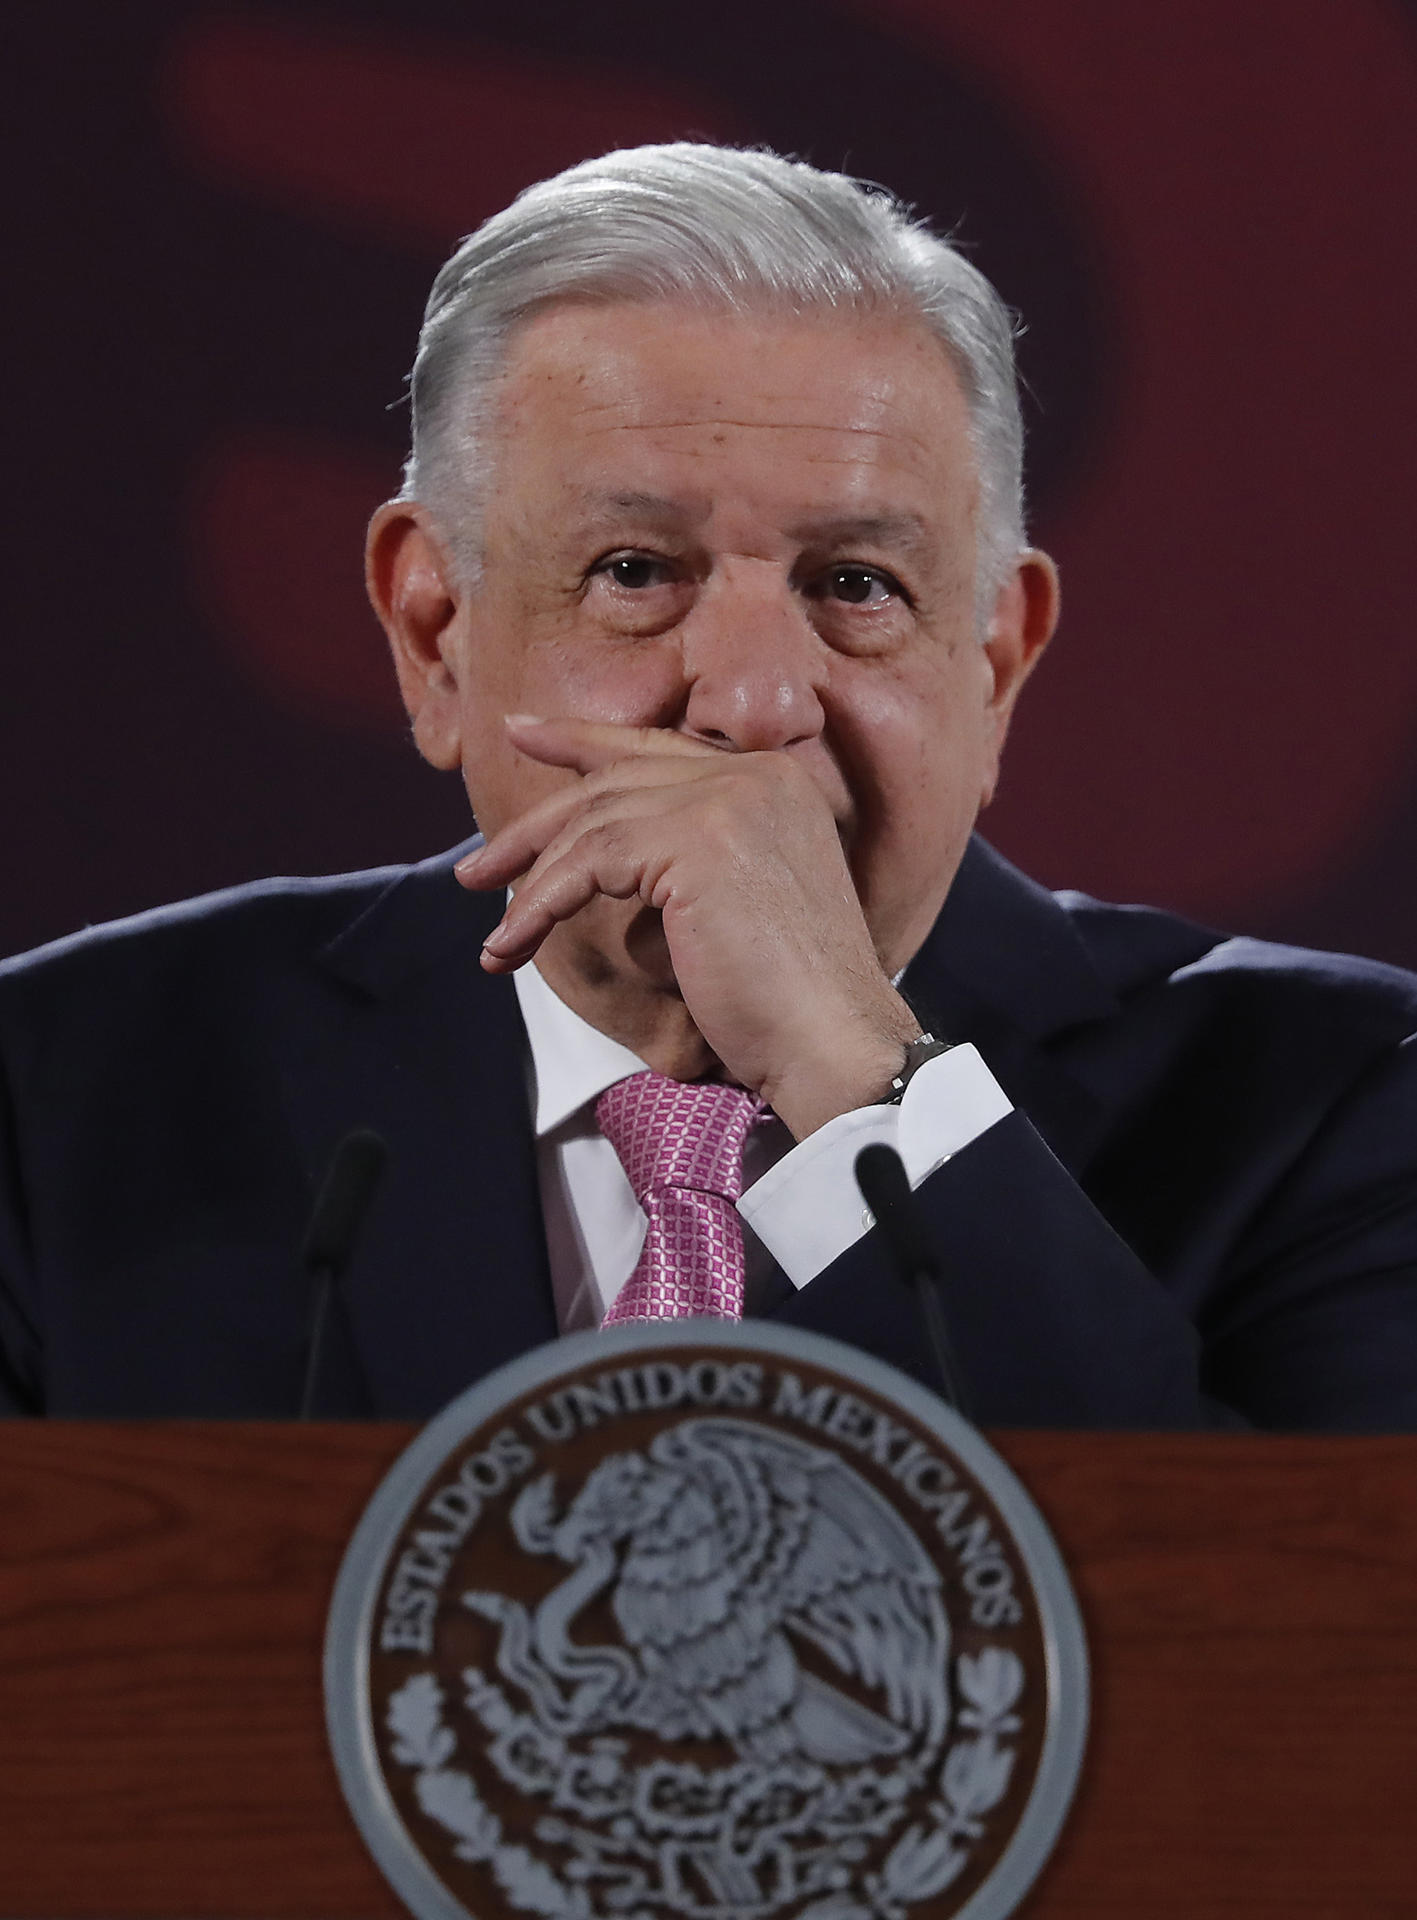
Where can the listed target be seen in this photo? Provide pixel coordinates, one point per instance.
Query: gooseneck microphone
(339, 1213)
(885, 1187)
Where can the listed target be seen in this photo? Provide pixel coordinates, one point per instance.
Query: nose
(754, 665)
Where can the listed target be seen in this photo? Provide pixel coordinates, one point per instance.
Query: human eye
(634, 572)
(855, 584)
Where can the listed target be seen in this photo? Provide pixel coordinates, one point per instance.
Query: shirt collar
(572, 1061)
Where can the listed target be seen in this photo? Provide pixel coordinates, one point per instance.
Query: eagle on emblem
(729, 1551)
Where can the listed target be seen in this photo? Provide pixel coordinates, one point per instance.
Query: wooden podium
(1251, 1606)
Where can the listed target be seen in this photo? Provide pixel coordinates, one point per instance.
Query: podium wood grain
(1251, 1606)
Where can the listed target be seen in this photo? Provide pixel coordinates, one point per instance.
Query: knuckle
(601, 791)
(609, 839)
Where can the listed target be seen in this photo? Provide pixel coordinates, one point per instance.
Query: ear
(1021, 625)
(413, 590)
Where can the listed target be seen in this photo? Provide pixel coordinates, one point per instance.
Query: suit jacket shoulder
(173, 1087)
(1242, 1119)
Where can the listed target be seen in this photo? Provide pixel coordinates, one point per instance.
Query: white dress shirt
(801, 1205)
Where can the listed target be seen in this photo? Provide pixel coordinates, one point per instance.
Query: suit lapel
(399, 1029)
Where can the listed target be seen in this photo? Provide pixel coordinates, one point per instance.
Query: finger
(513, 848)
(614, 835)
(598, 862)
(588, 745)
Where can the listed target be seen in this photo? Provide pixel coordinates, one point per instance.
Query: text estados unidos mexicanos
(449, 1514)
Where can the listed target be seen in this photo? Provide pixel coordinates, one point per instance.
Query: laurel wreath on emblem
(729, 1545)
(923, 1862)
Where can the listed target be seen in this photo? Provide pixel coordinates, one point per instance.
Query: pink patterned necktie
(681, 1145)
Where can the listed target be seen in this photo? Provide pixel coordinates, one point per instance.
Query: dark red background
(225, 220)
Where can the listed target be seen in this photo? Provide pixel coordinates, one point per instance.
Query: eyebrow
(909, 531)
(906, 530)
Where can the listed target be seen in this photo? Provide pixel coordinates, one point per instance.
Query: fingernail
(497, 942)
(523, 720)
(469, 860)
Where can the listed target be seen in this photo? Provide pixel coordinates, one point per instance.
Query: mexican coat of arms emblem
(705, 1623)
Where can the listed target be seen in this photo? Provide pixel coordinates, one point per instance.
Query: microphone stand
(328, 1246)
(885, 1187)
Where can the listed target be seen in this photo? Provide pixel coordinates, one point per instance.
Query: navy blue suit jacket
(1205, 1206)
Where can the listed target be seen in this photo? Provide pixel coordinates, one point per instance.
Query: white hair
(712, 227)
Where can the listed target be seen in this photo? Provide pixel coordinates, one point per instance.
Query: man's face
(758, 531)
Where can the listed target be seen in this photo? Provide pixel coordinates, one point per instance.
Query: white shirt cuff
(807, 1210)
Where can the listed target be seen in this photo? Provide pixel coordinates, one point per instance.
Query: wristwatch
(927, 1047)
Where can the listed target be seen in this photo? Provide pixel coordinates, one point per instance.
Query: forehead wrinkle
(836, 444)
(713, 421)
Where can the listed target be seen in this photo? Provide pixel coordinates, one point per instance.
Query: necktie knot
(681, 1145)
(678, 1134)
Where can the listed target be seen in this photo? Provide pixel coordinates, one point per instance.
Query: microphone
(338, 1214)
(885, 1187)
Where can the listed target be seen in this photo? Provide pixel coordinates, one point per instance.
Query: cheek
(914, 741)
(501, 783)
(539, 653)
(912, 750)
(559, 671)
(588, 676)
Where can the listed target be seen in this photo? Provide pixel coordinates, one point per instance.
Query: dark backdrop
(224, 223)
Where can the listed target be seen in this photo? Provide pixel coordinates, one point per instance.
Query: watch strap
(917, 1052)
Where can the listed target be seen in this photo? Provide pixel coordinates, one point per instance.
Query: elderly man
(710, 577)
